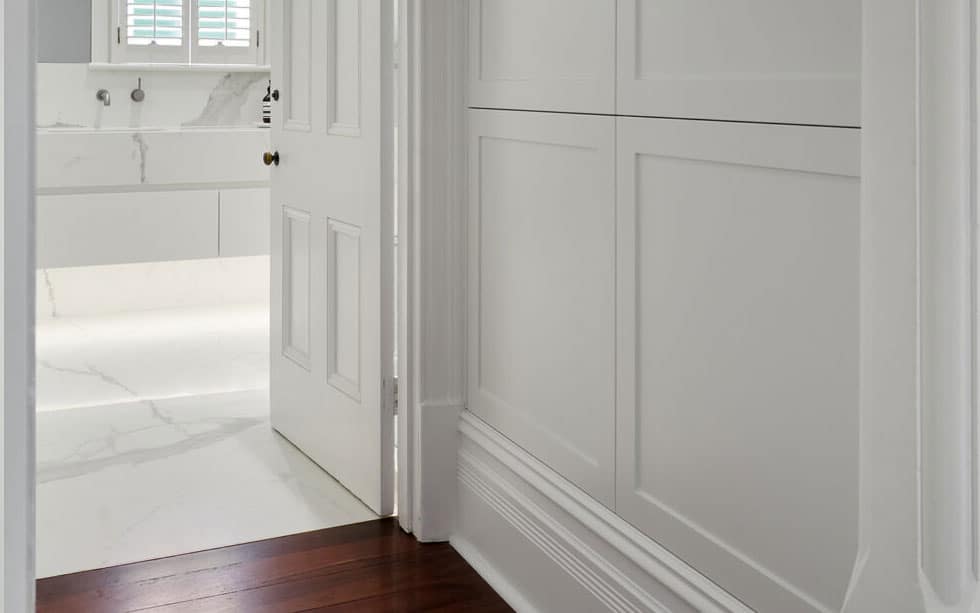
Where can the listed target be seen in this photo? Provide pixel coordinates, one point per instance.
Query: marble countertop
(91, 160)
(69, 129)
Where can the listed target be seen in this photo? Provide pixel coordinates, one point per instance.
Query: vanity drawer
(244, 222)
(122, 228)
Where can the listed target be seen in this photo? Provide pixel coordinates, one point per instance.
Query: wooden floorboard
(372, 566)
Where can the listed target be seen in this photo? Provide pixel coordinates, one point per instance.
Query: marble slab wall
(66, 98)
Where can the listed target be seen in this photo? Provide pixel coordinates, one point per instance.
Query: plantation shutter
(188, 32)
(155, 22)
(224, 23)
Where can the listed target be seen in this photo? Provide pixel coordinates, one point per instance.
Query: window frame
(124, 53)
(109, 45)
(253, 53)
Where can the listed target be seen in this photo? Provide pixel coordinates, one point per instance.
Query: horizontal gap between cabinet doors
(764, 123)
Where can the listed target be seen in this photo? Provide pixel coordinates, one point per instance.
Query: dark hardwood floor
(371, 566)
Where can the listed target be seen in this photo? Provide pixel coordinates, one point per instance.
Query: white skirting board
(546, 546)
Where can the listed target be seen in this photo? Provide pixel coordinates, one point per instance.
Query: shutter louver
(154, 22)
(224, 23)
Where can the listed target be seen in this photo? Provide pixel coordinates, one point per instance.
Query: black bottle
(267, 104)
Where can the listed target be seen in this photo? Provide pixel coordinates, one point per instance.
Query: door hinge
(118, 35)
(258, 38)
(394, 394)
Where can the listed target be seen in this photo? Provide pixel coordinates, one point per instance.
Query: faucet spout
(103, 95)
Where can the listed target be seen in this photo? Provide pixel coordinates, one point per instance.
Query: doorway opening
(162, 261)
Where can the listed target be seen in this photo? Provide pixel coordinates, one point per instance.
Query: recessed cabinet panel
(784, 61)
(542, 288)
(737, 404)
(547, 55)
(124, 228)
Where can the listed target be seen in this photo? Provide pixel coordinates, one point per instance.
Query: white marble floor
(154, 440)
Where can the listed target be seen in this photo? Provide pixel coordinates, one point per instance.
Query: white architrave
(918, 527)
(17, 53)
(432, 254)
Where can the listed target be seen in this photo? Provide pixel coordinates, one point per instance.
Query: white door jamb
(17, 59)
(432, 261)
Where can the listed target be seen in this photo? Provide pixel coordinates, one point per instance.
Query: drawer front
(94, 229)
(244, 222)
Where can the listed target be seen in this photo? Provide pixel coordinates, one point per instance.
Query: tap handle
(138, 95)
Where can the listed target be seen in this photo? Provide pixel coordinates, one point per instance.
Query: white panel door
(737, 311)
(544, 55)
(542, 288)
(783, 61)
(332, 285)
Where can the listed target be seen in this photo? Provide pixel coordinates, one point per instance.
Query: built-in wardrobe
(662, 408)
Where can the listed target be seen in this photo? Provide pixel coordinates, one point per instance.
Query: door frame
(17, 463)
(432, 261)
(919, 516)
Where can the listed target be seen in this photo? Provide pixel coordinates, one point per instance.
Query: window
(224, 22)
(187, 31)
(154, 22)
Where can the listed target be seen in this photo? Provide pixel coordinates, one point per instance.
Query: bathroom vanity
(114, 196)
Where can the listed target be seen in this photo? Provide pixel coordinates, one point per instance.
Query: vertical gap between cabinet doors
(219, 223)
(616, 285)
(616, 272)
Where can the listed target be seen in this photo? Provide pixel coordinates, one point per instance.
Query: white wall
(64, 30)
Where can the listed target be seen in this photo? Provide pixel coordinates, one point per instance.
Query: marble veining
(150, 355)
(91, 371)
(225, 102)
(154, 440)
(66, 98)
(59, 125)
(202, 128)
(95, 159)
(49, 287)
(141, 148)
(80, 292)
(111, 448)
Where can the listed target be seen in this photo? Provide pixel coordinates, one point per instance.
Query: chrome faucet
(103, 95)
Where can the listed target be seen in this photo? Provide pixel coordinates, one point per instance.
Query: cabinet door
(94, 229)
(737, 315)
(784, 61)
(542, 288)
(244, 222)
(546, 55)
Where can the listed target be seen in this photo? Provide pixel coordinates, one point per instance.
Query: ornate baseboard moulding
(545, 545)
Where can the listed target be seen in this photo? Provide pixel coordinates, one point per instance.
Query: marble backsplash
(66, 98)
